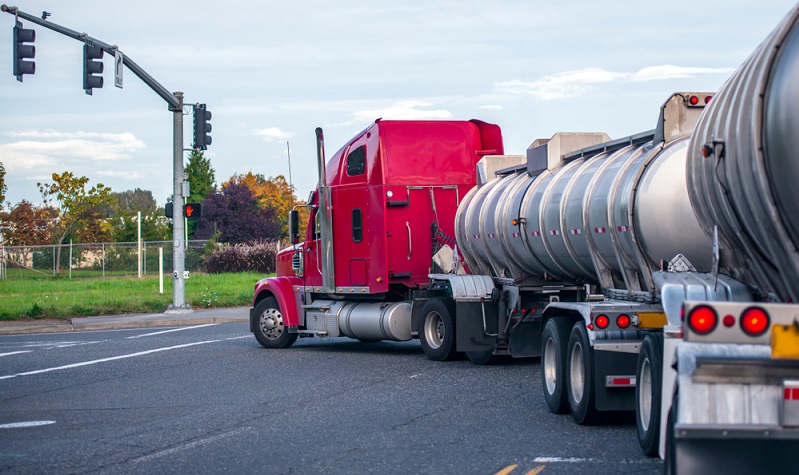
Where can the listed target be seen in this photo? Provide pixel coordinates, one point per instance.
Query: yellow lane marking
(506, 470)
(536, 470)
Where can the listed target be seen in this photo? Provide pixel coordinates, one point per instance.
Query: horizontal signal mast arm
(170, 98)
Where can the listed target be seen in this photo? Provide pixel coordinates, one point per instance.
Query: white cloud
(491, 107)
(127, 175)
(576, 83)
(273, 134)
(403, 110)
(45, 148)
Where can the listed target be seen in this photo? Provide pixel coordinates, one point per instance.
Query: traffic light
(92, 64)
(168, 210)
(23, 51)
(201, 127)
(192, 210)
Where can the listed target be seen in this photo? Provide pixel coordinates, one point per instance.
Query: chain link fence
(95, 259)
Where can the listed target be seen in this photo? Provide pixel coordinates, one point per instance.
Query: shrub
(258, 256)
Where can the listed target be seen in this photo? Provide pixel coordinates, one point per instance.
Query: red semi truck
(385, 204)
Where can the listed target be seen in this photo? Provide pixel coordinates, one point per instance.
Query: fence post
(70, 258)
(138, 242)
(54, 266)
(103, 259)
(161, 269)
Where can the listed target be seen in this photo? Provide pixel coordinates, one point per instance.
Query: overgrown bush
(256, 256)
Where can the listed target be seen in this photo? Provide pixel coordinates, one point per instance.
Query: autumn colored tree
(233, 212)
(27, 225)
(80, 210)
(273, 193)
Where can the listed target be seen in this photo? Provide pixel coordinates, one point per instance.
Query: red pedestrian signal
(192, 210)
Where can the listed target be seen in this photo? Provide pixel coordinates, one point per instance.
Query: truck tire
(580, 376)
(670, 457)
(269, 328)
(437, 329)
(648, 388)
(554, 339)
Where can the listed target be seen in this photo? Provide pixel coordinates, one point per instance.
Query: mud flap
(470, 331)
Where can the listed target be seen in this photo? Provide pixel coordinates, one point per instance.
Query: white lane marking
(16, 353)
(173, 330)
(190, 445)
(20, 425)
(77, 343)
(103, 360)
(562, 460)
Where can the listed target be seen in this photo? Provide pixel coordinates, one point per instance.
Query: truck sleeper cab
(384, 206)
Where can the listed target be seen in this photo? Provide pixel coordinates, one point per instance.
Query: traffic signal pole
(175, 102)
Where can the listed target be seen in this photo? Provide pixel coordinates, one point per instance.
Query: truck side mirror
(294, 226)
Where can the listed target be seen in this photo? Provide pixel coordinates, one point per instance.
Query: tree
(123, 213)
(80, 211)
(234, 213)
(2, 185)
(274, 193)
(27, 225)
(200, 176)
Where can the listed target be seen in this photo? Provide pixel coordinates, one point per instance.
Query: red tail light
(602, 321)
(754, 321)
(623, 321)
(702, 319)
(693, 100)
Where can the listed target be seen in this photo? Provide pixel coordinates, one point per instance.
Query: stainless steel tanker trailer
(655, 273)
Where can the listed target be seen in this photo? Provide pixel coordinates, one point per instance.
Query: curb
(132, 321)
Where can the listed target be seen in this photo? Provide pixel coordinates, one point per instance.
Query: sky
(271, 72)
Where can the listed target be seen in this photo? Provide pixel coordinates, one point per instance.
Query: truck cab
(385, 204)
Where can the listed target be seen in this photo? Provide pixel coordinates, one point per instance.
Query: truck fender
(282, 289)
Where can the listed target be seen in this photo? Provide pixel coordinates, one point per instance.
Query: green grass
(62, 298)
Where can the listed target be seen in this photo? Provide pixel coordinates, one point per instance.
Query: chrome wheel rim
(434, 330)
(271, 324)
(577, 373)
(550, 367)
(645, 395)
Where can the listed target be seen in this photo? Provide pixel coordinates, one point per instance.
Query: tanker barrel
(743, 167)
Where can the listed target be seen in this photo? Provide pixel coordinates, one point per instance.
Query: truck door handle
(410, 248)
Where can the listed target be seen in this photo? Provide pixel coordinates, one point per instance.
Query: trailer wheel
(670, 458)
(437, 329)
(269, 328)
(648, 389)
(580, 379)
(553, 364)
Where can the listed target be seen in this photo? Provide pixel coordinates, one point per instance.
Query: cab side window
(357, 225)
(356, 161)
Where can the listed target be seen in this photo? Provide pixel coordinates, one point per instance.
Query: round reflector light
(623, 321)
(693, 100)
(728, 321)
(702, 320)
(754, 321)
(602, 321)
(708, 99)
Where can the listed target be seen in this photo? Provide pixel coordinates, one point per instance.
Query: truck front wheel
(647, 393)
(553, 364)
(580, 382)
(437, 329)
(269, 328)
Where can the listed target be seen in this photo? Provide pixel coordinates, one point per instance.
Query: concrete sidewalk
(193, 317)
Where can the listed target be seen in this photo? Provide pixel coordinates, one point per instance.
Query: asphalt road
(209, 399)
